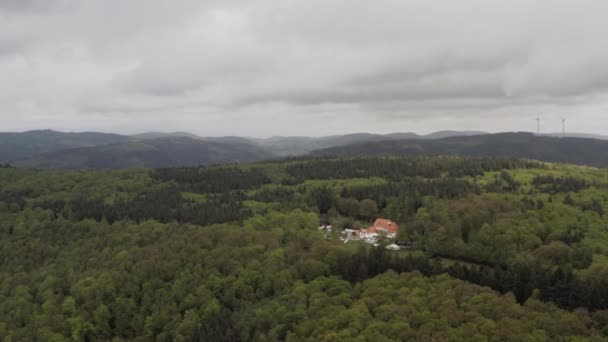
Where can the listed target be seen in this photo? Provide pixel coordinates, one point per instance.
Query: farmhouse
(381, 226)
(390, 228)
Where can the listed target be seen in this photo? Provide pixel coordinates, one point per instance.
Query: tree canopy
(510, 249)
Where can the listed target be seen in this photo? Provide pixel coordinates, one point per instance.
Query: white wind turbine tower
(538, 125)
(564, 127)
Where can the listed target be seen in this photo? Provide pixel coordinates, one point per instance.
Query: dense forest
(494, 249)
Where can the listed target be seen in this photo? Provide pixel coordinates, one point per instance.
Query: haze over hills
(89, 150)
(153, 153)
(157, 135)
(34, 147)
(582, 151)
(284, 146)
(14, 146)
(577, 135)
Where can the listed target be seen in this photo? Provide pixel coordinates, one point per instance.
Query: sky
(315, 67)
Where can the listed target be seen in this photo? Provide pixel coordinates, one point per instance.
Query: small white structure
(350, 234)
(393, 247)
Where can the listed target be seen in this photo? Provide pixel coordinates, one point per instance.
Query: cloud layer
(302, 67)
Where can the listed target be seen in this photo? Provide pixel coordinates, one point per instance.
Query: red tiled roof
(386, 225)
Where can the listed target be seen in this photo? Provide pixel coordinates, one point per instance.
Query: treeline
(351, 199)
(212, 179)
(398, 200)
(399, 168)
(559, 285)
(163, 203)
(413, 187)
(280, 194)
(552, 184)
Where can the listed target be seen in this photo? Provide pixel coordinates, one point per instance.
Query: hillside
(496, 249)
(14, 146)
(448, 134)
(285, 146)
(580, 151)
(158, 135)
(154, 153)
(577, 135)
(50, 149)
(37, 148)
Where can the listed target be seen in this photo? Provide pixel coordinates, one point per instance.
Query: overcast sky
(307, 67)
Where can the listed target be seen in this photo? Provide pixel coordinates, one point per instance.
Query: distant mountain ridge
(91, 150)
(285, 146)
(153, 153)
(158, 135)
(17, 148)
(577, 135)
(593, 152)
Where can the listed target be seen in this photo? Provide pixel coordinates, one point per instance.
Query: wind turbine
(538, 125)
(564, 127)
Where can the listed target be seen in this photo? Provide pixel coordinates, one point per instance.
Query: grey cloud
(27, 5)
(214, 63)
(444, 87)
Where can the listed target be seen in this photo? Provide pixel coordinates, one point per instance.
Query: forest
(575, 150)
(47, 149)
(495, 249)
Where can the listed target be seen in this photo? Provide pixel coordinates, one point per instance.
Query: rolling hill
(158, 135)
(154, 153)
(581, 151)
(15, 146)
(89, 150)
(286, 146)
(53, 149)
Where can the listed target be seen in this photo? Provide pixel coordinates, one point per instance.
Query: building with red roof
(388, 227)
